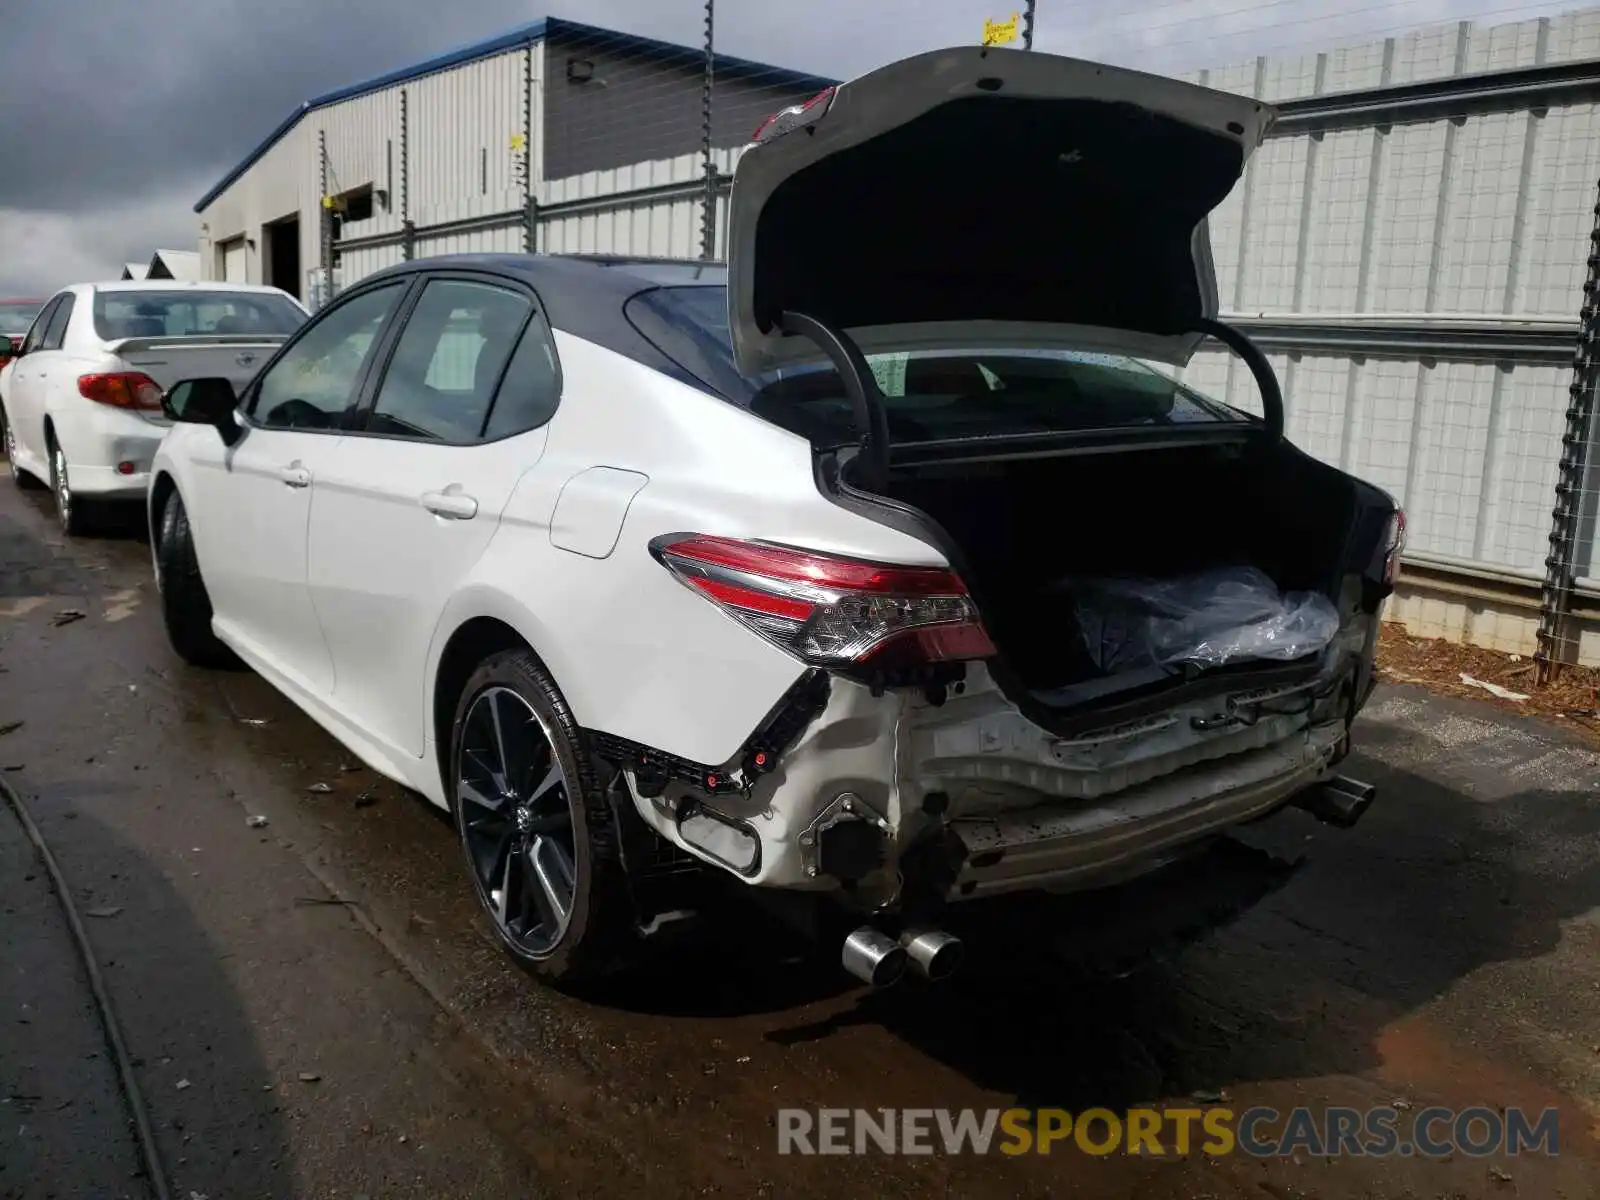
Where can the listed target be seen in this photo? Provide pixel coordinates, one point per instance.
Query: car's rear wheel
(534, 825)
(185, 603)
(18, 476)
(71, 512)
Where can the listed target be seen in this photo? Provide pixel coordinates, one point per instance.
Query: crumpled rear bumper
(884, 793)
(1066, 847)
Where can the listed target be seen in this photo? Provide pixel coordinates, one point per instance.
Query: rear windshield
(190, 313)
(15, 318)
(930, 395)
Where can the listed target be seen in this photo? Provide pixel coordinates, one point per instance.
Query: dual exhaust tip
(875, 958)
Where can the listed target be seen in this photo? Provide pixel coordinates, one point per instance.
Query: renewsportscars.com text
(1258, 1132)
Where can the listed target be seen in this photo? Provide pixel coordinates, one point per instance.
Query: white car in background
(80, 404)
(870, 571)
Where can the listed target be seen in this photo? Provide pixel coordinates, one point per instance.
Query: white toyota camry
(80, 403)
(877, 570)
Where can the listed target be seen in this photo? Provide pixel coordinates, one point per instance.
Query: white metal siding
(462, 121)
(282, 183)
(462, 164)
(661, 228)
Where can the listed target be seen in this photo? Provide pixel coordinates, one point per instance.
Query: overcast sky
(120, 114)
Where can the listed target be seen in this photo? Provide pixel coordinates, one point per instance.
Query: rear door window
(40, 323)
(56, 332)
(448, 362)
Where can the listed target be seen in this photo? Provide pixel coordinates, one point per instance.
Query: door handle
(295, 476)
(454, 505)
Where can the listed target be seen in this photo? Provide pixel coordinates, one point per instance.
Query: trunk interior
(1032, 531)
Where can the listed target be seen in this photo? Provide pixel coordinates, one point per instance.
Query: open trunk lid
(987, 196)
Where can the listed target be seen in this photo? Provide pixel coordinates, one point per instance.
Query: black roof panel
(583, 294)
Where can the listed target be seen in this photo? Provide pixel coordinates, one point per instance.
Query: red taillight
(122, 389)
(832, 611)
(794, 116)
(1397, 543)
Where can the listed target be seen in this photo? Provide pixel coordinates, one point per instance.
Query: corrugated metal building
(455, 153)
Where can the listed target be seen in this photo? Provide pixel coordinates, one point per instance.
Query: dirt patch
(1572, 698)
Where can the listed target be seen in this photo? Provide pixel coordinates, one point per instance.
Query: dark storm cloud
(117, 99)
(111, 99)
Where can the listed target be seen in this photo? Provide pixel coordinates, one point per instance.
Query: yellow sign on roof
(1001, 33)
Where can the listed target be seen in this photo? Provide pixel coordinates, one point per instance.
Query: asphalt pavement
(315, 1009)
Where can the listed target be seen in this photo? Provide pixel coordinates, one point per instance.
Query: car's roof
(581, 294)
(603, 274)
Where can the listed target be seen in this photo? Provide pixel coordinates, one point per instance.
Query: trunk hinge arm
(1266, 378)
(860, 384)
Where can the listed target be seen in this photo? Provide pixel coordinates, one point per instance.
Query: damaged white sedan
(875, 570)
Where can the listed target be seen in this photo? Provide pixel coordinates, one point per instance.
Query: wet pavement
(317, 1011)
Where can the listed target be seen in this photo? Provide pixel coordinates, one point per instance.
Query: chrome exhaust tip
(874, 957)
(1340, 801)
(933, 953)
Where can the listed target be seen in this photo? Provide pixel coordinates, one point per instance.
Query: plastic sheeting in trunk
(1210, 618)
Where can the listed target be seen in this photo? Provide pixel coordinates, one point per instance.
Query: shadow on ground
(1328, 951)
(195, 1054)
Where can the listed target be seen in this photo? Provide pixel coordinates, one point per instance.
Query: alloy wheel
(514, 808)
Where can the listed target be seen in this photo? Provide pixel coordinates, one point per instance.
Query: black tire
(8, 441)
(597, 934)
(72, 512)
(185, 604)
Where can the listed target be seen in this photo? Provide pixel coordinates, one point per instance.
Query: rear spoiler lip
(121, 345)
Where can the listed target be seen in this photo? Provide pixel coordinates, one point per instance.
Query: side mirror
(209, 401)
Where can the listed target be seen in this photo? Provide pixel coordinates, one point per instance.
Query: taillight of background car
(122, 389)
(830, 611)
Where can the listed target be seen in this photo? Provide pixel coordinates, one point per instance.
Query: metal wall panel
(637, 108)
(358, 264)
(282, 183)
(506, 239)
(362, 136)
(1484, 213)
(463, 163)
(462, 154)
(633, 220)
